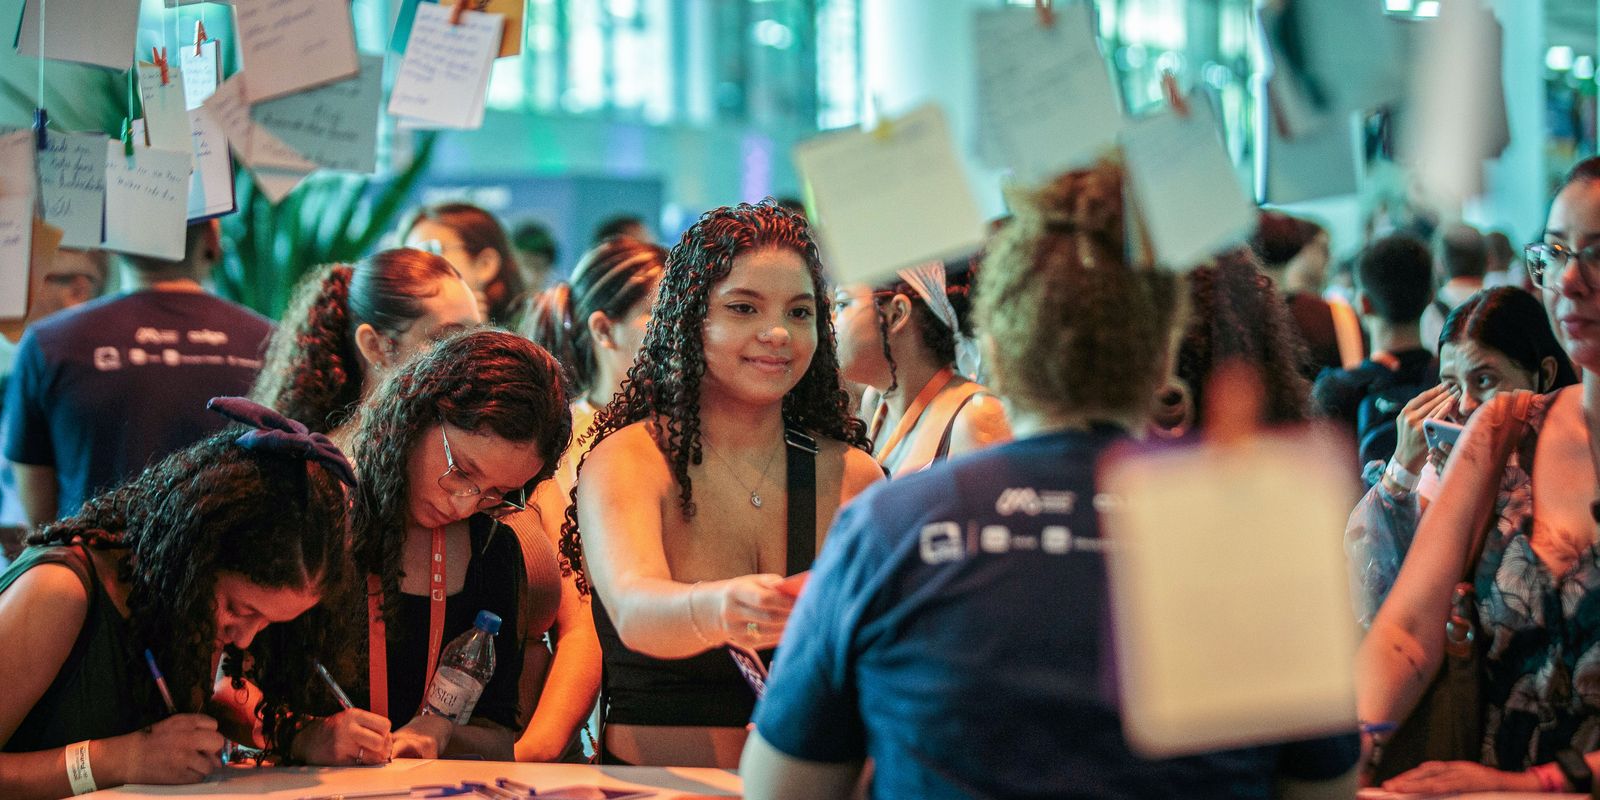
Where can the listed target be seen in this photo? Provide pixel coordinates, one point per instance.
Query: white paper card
(1328, 77)
(87, 31)
(1185, 186)
(201, 73)
(444, 74)
(1321, 163)
(291, 45)
(166, 118)
(1228, 592)
(1045, 99)
(16, 245)
(889, 198)
(1457, 114)
(211, 185)
(18, 177)
(335, 126)
(72, 174)
(147, 199)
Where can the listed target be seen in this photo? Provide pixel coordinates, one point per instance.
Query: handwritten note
(166, 118)
(1184, 185)
(16, 234)
(147, 200)
(211, 185)
(86, 31)
(889, 198)
(291, 45)
(335, 126)
(17, 175)
(256, 147)
(445, 72)
(72, 174)
(1228, 592)
(510, 38)
(1045, 98)
(201, 73)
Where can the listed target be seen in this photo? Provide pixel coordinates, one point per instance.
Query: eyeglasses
(1547, 265)
(437, 247)
(492, 503)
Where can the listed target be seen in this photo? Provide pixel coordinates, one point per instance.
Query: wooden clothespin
(158, 57)
(127, 136)
(41, 121)
(455, 13)
(199, 36)
(1047, 12)
(1175, 98)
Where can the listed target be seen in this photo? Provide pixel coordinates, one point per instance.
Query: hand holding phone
(1437, 433)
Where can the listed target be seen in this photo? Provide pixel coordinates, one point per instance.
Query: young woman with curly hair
(448, 447)
(475, 243)
(235, 546)
(715, 471)
(348, 325)
(900, 338)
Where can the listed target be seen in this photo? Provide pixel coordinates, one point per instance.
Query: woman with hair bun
(475, 243)
(903, 339)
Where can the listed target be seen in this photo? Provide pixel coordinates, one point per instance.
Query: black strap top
(705, 689)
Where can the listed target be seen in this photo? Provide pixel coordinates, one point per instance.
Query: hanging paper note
(1045, 98)
(510, 38)
(1228, 592)
(1456, 117)
(72, 175)
(16, 237)
(211, 185)
(147, 200)
(86, 31)
(166, 118)
(889, 198)
(1184, 185)
(1317, 77)
(276, 166)
(335, 126)
(17, 175)
(1322, 163)
(445, 72)
(201, 73)
(290, 45)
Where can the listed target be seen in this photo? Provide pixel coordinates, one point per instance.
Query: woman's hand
(1411, 447)
(352, 736)
(183, 748)
(1460, 776)
(752, 611)
(425, 736)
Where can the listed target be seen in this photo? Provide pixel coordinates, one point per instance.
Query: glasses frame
(1588, 265)
(490, 503)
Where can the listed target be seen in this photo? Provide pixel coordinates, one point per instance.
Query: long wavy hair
(483, 381)
(313, 371)
(663, 385)
(217, 507)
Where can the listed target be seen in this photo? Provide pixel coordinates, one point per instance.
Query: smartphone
(1437, 432)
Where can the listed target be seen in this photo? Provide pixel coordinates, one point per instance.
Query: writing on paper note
(1045, 98)
(445, 71)
(211, 185)
(201, 73)
(17, 176)
(335, 126)
(86, 31)
(16, 238)
(147, 199)
(291, 45)
(72, 175)
(166, 118)
(1185, 186)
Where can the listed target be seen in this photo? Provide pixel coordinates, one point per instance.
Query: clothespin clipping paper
(455, 13)
(199, 36)
(1047, 12)
(158, 57)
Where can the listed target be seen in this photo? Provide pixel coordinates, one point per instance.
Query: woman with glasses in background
(475, 243)
(447, 446)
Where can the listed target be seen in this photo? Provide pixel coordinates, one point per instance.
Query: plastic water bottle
(465, 667)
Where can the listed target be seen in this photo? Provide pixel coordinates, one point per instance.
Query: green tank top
(103, 688)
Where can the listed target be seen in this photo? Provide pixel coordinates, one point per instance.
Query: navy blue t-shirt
(956, 631)
(102, 390)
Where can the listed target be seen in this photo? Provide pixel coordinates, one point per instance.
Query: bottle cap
(487, 621)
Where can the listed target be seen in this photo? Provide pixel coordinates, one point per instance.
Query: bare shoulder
(629, 454)
(44, 595)
(854, 468)
(981, 422)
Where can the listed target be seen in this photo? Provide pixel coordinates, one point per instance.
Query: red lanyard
(377, 633)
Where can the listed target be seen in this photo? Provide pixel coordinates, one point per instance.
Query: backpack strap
(802, 490)
(943, 450)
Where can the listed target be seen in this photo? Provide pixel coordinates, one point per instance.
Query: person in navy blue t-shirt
(955, 630)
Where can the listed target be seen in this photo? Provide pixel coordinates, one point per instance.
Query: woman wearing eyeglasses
(448, 445)
(1538, 626)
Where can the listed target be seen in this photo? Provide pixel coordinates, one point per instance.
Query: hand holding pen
(183, 748)
(350, 737)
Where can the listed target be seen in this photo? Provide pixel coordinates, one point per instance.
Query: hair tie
(276, 433)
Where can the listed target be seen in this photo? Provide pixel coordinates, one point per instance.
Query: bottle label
(453, 694)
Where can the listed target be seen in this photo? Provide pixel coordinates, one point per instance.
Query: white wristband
(78, 772)
(1402, 477)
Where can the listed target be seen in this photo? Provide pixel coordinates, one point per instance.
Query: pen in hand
(161, 682)
(338, 693)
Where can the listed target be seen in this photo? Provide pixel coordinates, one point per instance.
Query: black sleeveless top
(706, 689)
(104, 688)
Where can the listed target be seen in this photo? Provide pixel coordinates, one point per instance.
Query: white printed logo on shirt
(941, 543)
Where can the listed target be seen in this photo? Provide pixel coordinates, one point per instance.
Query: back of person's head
(629, 225)
(480, 231)
(1463, 253)
(201, 249)
(1074, 329)
(1513, 322)
(1501, 253)
(314, 371)
(611, 278)
(1278, 238)
(533, 236)
(1395, 275)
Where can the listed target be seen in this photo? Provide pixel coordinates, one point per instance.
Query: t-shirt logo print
(107, 359)
(941, 543)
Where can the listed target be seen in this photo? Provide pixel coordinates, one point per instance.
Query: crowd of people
(639, 467)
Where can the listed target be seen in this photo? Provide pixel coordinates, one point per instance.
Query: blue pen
(161, 682)
(1375, 728)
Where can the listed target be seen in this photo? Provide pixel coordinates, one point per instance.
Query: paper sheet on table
(510, 38)
(334, 126)
(1184, 186)
(276, 166)
(1456, 117)
(147, 199)
(16, 237)
(201, 73)
(86, 31)
(72, 175)
(889, 198)
(291, 45)
(166, 118)
(444, 73)
(1045, 99)
(1321, 163)
(211, 185)
(1229, 600)
(1317, 76)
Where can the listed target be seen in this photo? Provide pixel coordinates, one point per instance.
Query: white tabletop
(292, 783)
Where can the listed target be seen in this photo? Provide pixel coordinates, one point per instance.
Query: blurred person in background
(473, 241)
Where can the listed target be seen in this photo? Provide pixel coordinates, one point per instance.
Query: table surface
(292, 783)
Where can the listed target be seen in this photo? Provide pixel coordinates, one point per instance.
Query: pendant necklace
(755, 496)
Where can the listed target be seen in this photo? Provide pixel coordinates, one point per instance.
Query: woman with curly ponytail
(232, 550)
(349, 325)
(716, 470)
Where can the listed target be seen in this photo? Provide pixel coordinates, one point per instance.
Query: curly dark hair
(313, 370)
(483, 381)
(1236, 314)
(480, 231)
(938, 338)
(611, 278)
(215, 507)
(663, 385)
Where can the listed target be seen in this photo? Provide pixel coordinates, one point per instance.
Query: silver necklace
(755, 496)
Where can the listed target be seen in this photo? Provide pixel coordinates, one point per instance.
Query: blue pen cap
(487, 621)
